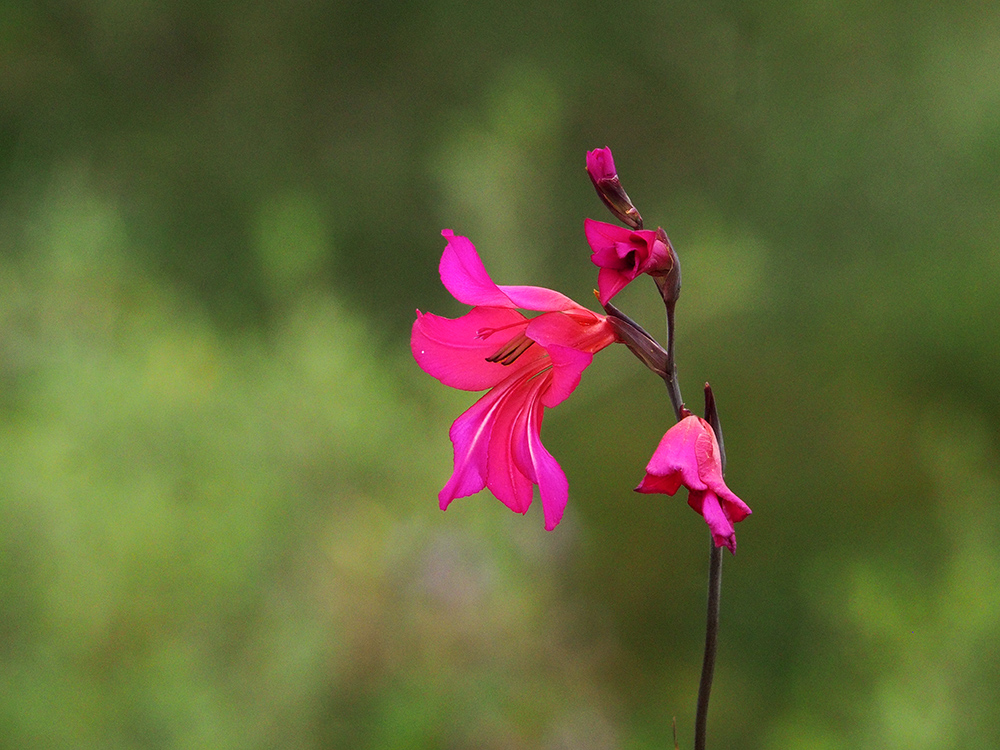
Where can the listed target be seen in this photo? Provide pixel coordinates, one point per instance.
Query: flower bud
(601, 168)
(668, 273)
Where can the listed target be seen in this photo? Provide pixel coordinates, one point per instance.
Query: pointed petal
(464, 275)
(708, 506)
(735, 508)
(567, 368)
(666, 485)
(455, 350)
(570, 340)
(470, 435)
(610, 282)
(506, 476)
(553, 487)
(601, 235)
(538, 298)
(710, 471)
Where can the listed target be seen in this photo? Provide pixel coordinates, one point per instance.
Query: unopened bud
(601, 168)
(668, 275)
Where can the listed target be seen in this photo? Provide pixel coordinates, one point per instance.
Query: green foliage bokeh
(219, 468)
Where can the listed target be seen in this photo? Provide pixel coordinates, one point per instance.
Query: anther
(509, 352)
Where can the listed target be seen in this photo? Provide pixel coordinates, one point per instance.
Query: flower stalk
(714, 596)
(692, 452)
(528, 364)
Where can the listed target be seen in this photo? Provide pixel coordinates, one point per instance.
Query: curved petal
(455, 351)
(470, 434)
(676, 453)
(570, 341)
(553, 487)
(618, 256)
(464, 275)
(658, 258)
(506, 476)
(609, 282)
(539, 299)
(567, 367)
(667, 484)
(710, 471)
(735, 508)
(580, 329)
(602, 235)
(708, 506)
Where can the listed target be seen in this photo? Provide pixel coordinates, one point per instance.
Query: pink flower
(689, 454)
(528, 364)
(622, 254)
(601, 168)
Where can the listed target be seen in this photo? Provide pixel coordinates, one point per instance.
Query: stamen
(509, 352)
(485, 333)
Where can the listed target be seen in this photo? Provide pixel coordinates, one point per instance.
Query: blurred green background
(219, 467)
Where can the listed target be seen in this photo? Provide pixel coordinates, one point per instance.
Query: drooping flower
(527, 364)
(689, 455)
(601, 168)
(623, 254)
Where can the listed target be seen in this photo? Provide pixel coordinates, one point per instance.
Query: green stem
(711, 636)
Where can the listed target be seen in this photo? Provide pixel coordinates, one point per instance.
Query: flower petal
(470, 435)
(553, 487)
(708, 506)
(667, 485)
(610, 282)
(455, 351)
(710, 471)
(507, 476)
(602, 236)
(570, 341)
(676, 453)
(538, 298)
(464, 275)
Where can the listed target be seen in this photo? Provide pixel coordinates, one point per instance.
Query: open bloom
(527, 363)
(689, 454)
(623, 254)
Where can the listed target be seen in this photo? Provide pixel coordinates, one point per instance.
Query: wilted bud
(601, 168)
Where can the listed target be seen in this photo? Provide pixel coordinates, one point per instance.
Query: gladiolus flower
(527, 363)
(623, 254)
(689, 455)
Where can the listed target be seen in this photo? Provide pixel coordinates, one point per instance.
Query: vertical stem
(673, 387)
(714, 594)
(711, 636)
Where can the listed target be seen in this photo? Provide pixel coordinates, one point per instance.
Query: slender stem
(711, 636)
(673, 387)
